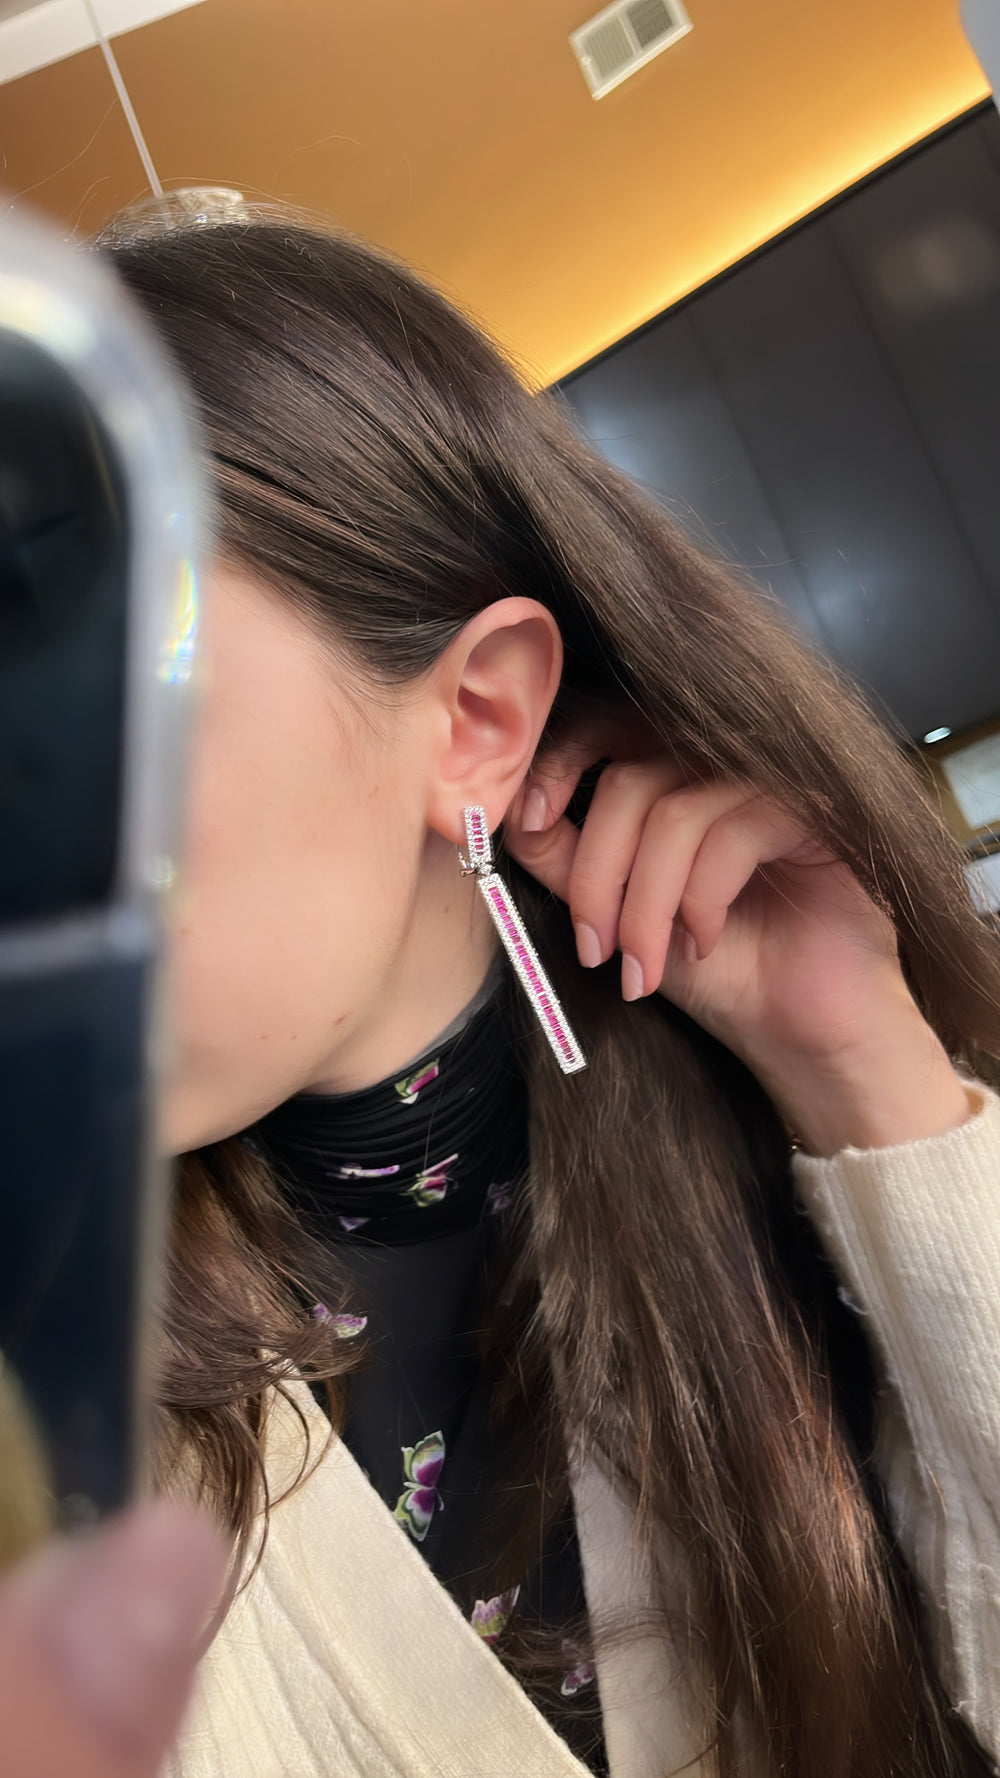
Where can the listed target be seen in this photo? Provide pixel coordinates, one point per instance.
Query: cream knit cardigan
(345, 1656)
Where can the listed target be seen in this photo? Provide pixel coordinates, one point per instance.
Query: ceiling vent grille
(624, 37)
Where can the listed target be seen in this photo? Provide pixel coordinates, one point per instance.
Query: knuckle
(622, 774)
(642, 933)
(643, 923)
(591, 902)
(700, 907)
(742, 820)
(678, 809)
(599, 904)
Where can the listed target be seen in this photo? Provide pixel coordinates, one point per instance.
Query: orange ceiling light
(464, 137)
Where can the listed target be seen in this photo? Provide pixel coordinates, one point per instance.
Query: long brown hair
(378, 462)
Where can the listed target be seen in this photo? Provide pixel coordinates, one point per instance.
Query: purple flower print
(499, 1195)
(489, 1616)
(365, 1172)
(432, 1184)
(583, 1673)
(346, 1327)
(352, 1222)
(413, 1085)
(421, 1469)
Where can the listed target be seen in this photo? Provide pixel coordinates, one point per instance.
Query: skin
(98, 1643)
(718, 898)
(325, 935)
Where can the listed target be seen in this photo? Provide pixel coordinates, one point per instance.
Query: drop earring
(516, 943)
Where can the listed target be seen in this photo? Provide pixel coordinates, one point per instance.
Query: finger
(609, 841)
(734, 847)
(673, 833)
(558, 767)
(623, 794)
(98, 1643)
(548, 789)
(548, 855)
(547, 792)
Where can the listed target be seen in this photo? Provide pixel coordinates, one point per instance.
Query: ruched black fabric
(409, 1181)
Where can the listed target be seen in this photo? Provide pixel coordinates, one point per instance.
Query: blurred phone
(99, 510)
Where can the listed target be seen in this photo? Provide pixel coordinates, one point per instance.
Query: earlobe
(496, 683)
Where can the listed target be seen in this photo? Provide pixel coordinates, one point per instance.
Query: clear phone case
(101, 510)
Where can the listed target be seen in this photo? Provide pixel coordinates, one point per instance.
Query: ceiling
(462, 136)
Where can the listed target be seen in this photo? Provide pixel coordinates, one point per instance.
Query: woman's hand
(720, 899)
(98, 1643)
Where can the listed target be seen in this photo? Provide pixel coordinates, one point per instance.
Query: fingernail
(121, 1617)
(633, 986)
(588, 945)
(690, 948)
(535, 813)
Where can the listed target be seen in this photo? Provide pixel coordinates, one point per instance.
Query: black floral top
(413, 1182)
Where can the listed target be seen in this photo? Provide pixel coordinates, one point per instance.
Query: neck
(446, 955)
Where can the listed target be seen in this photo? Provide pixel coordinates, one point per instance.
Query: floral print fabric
(410, 1184)
(421, 1469)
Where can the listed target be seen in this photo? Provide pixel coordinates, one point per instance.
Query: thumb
(98, 1643)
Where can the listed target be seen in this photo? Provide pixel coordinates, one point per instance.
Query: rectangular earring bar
(477, 839)
(518, 945)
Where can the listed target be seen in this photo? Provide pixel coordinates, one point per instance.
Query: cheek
(293, 905)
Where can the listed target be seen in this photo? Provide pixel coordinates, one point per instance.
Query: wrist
(898, 1085)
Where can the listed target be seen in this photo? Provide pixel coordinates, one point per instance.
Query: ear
(493, 691)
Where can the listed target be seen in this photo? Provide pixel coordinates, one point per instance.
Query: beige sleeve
(914, 1232)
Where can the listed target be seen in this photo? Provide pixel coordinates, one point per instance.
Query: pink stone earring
(516, 942)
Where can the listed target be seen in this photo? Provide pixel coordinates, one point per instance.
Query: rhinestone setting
(517, 944)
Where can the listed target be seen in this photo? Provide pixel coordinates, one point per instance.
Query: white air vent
(624, 37)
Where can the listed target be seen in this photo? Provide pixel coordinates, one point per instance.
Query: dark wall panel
(923, 248)
(818, 419)
(658, 412)
(867, 522)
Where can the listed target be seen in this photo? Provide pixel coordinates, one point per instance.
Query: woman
(623, 1475)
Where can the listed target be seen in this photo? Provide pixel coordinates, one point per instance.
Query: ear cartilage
(517, 944)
